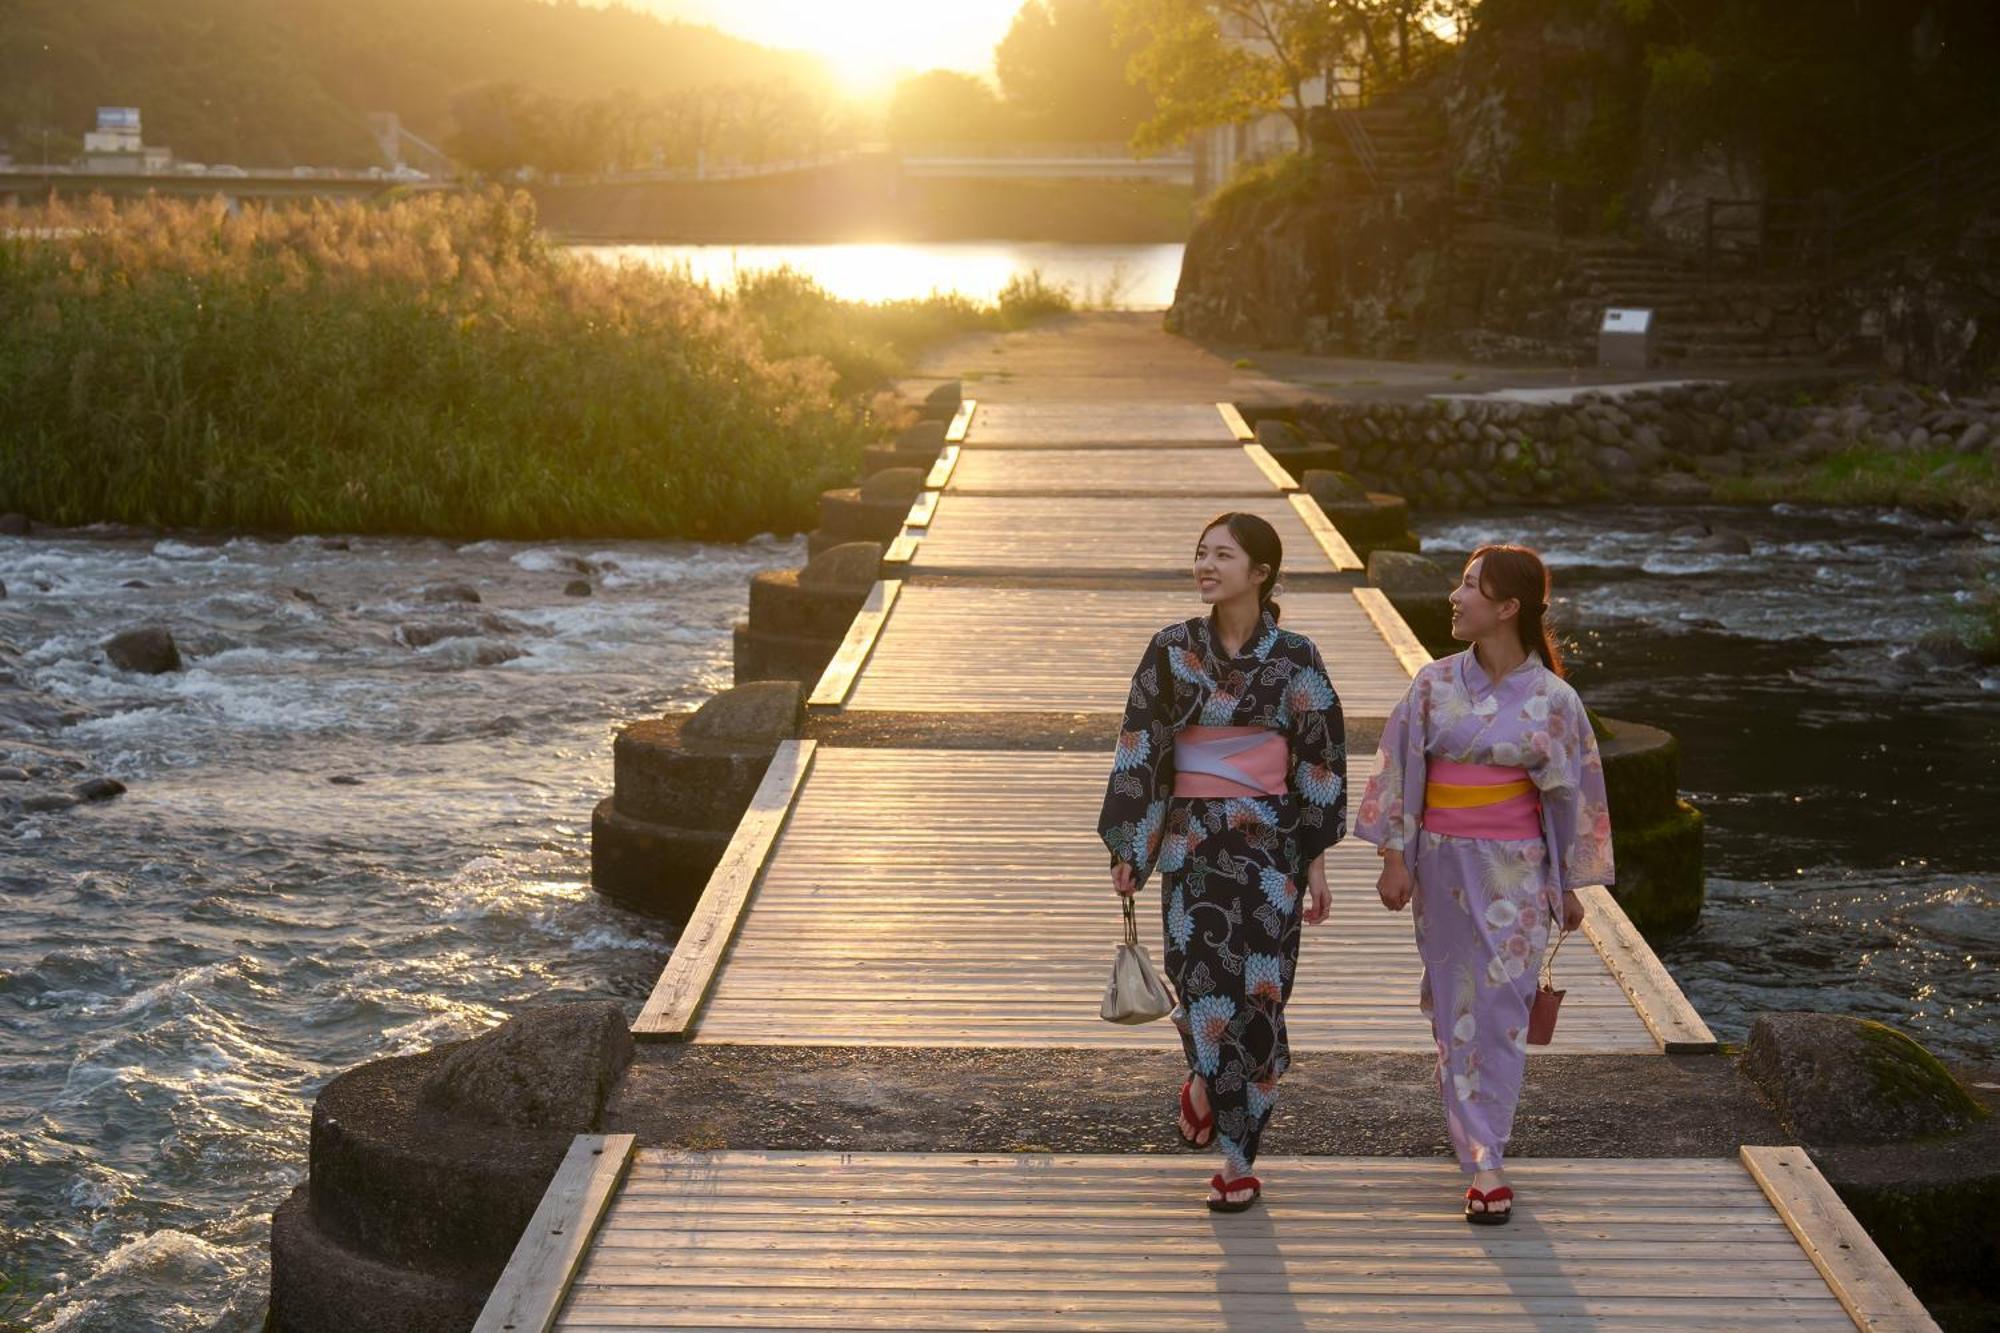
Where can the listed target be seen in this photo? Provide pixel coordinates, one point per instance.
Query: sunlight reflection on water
(1118, 277)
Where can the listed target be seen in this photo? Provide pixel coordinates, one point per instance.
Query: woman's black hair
(1261, 543)
(1517, 572)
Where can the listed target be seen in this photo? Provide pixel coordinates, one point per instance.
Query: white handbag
(1136, 993)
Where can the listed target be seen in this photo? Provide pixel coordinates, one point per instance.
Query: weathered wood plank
(532, 1286)
(1273, 470)
(958, 650)
(1233, 420)
(760, 1239)
(684, 983)
(1396, 631)
(862, 634)
(885, 934)
(1136, 471)
(1136, 539)
(1861, 1277)
(940, 474)
(1098, 425)
(896, 559)
(961, 420)
(1331, 544)
(921, 510)
(1658, 999)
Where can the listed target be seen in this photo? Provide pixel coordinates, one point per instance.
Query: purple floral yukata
(1482, 905)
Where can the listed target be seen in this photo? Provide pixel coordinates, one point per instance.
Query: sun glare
(867, 44)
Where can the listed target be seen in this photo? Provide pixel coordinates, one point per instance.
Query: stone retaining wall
(1670, 444)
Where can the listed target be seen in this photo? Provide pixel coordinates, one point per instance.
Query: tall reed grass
(432, 365)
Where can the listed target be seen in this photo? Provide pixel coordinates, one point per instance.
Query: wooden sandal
(1204, 1126)
(1485, 1215)
(1223, 1203)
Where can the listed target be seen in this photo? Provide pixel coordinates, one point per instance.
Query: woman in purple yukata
(1231, 779)
(1490, 813)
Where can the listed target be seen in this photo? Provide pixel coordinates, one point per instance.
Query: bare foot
(1198, 1098)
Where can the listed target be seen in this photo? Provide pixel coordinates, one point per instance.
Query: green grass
(1290, 177)
(432, 365)
(1934, 480)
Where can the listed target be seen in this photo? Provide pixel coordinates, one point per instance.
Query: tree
(1216, 62)
(1062, 73)
(944, 104)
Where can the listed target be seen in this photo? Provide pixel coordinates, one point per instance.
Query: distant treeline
(287, 82)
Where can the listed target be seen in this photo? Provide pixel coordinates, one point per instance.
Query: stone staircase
(1391, 146)
(1702, 319)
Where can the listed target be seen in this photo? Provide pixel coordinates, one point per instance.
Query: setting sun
(867, 45)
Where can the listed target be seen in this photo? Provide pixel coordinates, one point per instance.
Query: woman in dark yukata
(1230, 779)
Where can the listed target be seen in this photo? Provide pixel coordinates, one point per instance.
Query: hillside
(281, 82)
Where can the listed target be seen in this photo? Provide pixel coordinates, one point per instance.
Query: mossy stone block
(1660, 881)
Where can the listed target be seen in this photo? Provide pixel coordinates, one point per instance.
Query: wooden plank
(669, 1012)
(1097, 425)
(957, 1240)
(862, 633)
(873, 923)
(940, 473)
(1396, 631)
(961, 420)
(532, 1286)
(1233, 421)
(1860, 1276)
(1135, 471)
(1658, 999)
(921, 510)
(958, 650)
(1130, 539)
(1271, 467)
(1335, 546)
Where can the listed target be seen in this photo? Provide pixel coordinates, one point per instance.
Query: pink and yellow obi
(1215, 763)
(1480, 801)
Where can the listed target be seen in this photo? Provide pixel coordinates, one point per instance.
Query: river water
(1110, 277)
(182, 968)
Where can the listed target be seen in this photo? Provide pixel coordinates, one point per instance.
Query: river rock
(3, 588)
(150, 650)
(848, 565)
(448, 592)
(761, 713)
(1615, 462)
(98, 789)
(424, 633)
(1330, 487)
(577, 588)
(1724, 543)
(47, 802)
(923, 436)
(893, 485)
(1835, 1079)
(1974, 438)
(15, 525)
(9, 773)
(1279, 436)
(547, 1068)
(1401, 574)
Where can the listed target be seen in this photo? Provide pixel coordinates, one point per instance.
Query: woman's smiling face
(1473, 613)
(1222, 570)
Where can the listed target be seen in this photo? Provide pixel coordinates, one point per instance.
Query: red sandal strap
(1235, 1186)
(1187, 1109)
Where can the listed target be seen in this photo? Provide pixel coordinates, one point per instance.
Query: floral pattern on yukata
(1483, 907)
(1231, 869)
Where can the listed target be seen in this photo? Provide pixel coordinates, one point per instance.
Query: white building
(1220, 149)
(117, 144)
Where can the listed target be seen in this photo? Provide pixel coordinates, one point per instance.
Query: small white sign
(1626, 321)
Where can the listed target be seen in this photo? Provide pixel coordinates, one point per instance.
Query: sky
(868, 44)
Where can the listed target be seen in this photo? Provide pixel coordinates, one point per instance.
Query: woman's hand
(1319, 900)
(1572, 910)
(1396, 884)
(1123, 880)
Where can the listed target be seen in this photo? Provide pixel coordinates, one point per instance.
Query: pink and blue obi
(1214, 763)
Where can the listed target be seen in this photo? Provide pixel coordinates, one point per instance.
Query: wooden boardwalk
(878, 896)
